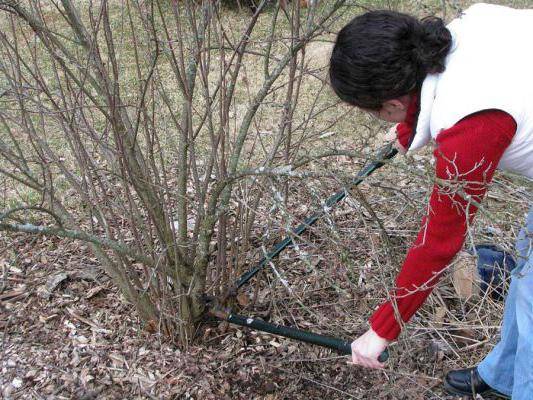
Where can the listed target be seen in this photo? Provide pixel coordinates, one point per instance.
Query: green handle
(342, 346)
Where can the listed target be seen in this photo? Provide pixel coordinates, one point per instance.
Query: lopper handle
(342, 346)
(385, 153)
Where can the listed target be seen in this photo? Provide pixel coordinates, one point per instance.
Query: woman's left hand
(367, 348)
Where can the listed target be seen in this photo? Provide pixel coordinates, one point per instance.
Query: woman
(469, 87)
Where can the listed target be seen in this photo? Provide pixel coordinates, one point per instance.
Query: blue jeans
(508, 368)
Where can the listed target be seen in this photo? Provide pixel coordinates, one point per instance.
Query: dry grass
(337, 274)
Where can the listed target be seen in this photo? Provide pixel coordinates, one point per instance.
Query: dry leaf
(17, 382)
(45, 319)
(31, 374)
(438, 317)
(465, 337)
(117, 359)
(464, 275)
(243, 299)
(80, 339)
(93, 291)
(85, 376)
(52, 282)
(151, 326)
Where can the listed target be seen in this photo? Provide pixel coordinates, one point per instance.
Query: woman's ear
(395, 110)
(397, 105)
(392, 106)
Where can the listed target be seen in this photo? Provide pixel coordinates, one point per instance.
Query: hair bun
(435, 44)
(383, 55)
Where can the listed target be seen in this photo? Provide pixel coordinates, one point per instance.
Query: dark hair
(382, 55)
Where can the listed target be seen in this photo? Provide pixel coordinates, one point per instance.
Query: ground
(83, 342)
(67, 333)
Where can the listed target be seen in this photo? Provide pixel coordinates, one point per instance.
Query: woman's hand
(402, 150)
(367, 348)
(393, 135)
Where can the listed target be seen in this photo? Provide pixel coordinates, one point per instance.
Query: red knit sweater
(466, 156)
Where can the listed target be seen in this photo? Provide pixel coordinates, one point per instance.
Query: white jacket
(490, 66)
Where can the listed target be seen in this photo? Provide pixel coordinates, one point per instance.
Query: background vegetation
(170, 145)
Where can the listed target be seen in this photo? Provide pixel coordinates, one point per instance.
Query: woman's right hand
(393, 135)
(402, 150)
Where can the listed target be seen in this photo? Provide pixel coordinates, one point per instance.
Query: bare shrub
(138, 130)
